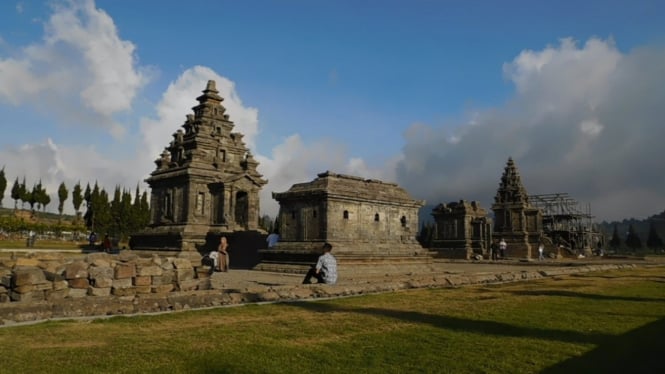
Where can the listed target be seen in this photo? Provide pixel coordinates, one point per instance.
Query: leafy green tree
(16, 193)
(3, 185)
(62, 197)
(32, 197)
(632, 239)
(24, 193)
(653, 240)
(77, 198)
(615, 242)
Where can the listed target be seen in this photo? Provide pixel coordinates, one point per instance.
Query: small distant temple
(205, 182)
(462, 230)
(371, 225)
(516, 220)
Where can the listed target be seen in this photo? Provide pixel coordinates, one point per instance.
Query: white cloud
(584, 119)
(81, 71)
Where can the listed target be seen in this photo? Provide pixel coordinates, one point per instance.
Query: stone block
(53, 276)
(143, 289)
(152, 270)
(142, 281)
(123, 270)
(6, 280)
(27, 275)
(96, 291)
(34, 287)
(165, 278)
(79, 283)
(127, 256)
(100, 272)
(122, 283)
(102, 282)
(27, 297)
(60, 285)
(123, 291)
(77, 293)
(188, 285)
(56, 294)
(182, 275)
(162, 288)
(182, 263)
(22, 261)
(77, 269)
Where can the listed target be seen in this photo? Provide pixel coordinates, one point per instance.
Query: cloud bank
(584, 119)
(81, 71)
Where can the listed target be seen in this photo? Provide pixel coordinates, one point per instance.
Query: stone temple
(205, 183)
(371, 224)
(515, 219)
(462, 230)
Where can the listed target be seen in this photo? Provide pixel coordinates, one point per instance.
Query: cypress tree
(632, 240)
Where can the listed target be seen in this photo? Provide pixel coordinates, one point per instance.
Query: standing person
(494, 250)
(541, 249)
(272, 239)
(325, 270)
(222, 263)
(107, 243)
(502, 248)
(92, 239)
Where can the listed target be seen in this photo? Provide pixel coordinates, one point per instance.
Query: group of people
(324, 271)
(498, 249)
(107, 245)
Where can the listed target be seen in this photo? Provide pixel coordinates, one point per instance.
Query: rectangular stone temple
(462, 230)
(205, 184)
(371, 224)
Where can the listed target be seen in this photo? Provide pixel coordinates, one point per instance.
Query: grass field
(590, 323)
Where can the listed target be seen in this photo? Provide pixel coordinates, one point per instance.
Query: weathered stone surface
(122, 283)
(182, 263)
(165, 278)
(60, 285)
(143, 289)
(123, 270)
(188, 284)
(53, 277)
(183, 275)
(58, 294)
(27, 297)
(162, 288)
(127, 256)
(130, 291)
(33, 287)
(22, 261)
(79, 283)
(102, 282)
(153, 270)
(77, 293)
(142, 280)
(96, 272)
(77, 269)
(96, 291)
(23, 276)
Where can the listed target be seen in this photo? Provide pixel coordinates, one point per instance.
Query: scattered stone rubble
(46, 286)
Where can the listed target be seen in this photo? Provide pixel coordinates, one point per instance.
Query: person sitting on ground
(325, 270)
(272, 239)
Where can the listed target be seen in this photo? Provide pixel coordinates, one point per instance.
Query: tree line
(119, 216)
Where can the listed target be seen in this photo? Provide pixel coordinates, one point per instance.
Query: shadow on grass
(585, 296)
(637, 351)
(462, 324)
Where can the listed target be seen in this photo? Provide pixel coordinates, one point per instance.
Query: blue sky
(434, 95)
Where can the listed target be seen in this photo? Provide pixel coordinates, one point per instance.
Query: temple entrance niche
(217, 193)
(242, 208)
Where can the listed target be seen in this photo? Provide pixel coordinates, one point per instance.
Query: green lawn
(591, 323)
